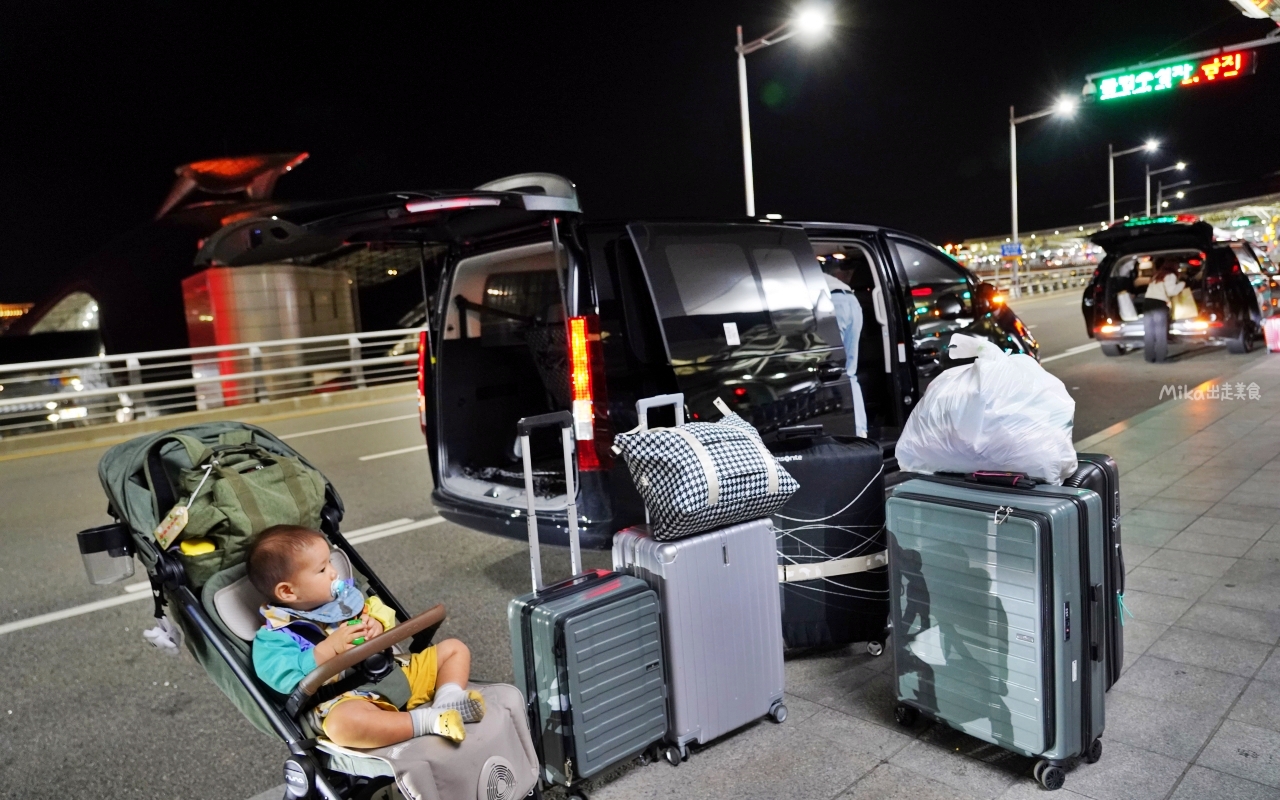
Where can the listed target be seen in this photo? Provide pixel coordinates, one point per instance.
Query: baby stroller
(214, 609)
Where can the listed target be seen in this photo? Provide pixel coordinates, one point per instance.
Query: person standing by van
(849, 318)
(1163, 288)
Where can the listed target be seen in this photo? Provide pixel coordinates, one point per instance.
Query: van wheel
(1242, 342)
(1113, 350)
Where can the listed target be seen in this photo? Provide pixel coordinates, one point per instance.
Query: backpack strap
(162, 492)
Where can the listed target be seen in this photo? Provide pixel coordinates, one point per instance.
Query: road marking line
(134, 592)
(346, 427)
(413, 526)
(371, 528)
(399, 452)
(74, 611)
(1071, 351)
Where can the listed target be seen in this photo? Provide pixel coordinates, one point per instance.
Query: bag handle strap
(709, 466)
(162, 492)
(247, 502)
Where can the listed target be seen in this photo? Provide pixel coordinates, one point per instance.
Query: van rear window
(516, 301)
(726, 291)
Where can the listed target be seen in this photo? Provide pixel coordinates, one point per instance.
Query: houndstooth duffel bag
(704, 475)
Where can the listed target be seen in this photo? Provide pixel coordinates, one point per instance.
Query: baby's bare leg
(453, 663)
(357, 723)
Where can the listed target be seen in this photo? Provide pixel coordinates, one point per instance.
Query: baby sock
(467, 702)
(446, 722)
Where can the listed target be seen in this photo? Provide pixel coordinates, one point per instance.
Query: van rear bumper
(553, 526)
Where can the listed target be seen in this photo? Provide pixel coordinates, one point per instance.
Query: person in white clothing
(1163, 288)
(849, 318)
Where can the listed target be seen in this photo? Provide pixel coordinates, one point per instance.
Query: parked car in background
(1232, 284)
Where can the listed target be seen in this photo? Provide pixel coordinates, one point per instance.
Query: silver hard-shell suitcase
(722, 626)
(587, 652)
(998, 614)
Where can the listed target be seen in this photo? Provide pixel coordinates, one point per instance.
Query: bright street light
(1181, 165)
(812, 21)
(1151, 146)
(1180, 194)
(1065, 106)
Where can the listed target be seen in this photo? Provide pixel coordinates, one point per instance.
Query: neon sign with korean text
(1224, 67)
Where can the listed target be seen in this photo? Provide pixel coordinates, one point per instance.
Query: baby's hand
(342, 639)
(375, 627)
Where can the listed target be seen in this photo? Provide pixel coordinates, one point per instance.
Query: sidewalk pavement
(1196, 713)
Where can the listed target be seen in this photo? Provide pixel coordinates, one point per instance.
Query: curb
(39, 444)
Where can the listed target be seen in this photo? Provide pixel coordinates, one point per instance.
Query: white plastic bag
(1003, 412)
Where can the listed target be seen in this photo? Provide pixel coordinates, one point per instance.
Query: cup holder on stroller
(107, 551)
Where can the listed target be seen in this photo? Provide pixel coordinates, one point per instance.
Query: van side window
(939, 288)
(1247, 262)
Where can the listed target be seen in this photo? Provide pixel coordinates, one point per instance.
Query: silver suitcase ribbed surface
(722, 624)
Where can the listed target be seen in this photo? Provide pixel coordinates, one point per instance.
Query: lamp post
(1151, 146)
(1179, 166)
(1065, 107)
(811, 21)
(1161, 186)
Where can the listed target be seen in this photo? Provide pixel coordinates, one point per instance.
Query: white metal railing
(77, 392)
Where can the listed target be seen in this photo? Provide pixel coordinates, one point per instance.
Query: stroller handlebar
(406, 630)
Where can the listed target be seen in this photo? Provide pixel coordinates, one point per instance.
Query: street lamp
(1161, 186)
(1066, 106)
(1151, 146)
(1181, 165)
(811, 21)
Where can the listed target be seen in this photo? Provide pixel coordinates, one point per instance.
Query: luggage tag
(176, 520)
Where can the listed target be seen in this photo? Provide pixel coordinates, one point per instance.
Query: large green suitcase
(997, 614)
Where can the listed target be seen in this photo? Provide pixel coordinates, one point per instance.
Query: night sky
(899, 117)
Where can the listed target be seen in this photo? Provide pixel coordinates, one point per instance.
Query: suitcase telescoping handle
(647, 404)
(643, 407)
(564, 420)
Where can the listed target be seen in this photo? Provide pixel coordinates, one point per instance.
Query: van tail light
(587, 389)
(424, 346)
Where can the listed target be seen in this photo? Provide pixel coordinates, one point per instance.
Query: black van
(736, 310)
(1230, 282)
(533, 308)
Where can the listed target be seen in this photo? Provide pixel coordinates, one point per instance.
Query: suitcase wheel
(672, 755)
(905, 715)
(778, 713)
(1094, 752)
(575, 794)
(1049, 776)
(875, 648)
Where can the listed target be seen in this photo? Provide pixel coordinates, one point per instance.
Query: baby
(312, 616)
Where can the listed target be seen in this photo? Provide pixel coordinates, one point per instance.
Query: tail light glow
(423, 346)
(586, 386)
(1109, 329)
(423, 206)
(921, 291)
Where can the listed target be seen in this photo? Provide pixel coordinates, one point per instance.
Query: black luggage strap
(799, 432)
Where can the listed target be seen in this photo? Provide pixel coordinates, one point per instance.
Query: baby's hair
(272, 553)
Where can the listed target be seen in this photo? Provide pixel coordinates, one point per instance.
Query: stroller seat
(218, 616)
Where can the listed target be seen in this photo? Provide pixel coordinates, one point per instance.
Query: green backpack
(253, 481)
